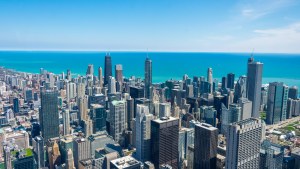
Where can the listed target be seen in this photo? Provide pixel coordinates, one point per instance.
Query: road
(283, 123)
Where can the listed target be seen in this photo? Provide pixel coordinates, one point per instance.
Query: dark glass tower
(148, 77)
(16, 105)
(205, 146)
(99, 115)
(293, 92)
(254, 82)
(35, 129)
(277, 98)
(224, 82)
(164, 142)
(49, 118)
(240, 89)
(230, 80)
(108, 69)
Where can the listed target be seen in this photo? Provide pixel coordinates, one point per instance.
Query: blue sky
(157, 25)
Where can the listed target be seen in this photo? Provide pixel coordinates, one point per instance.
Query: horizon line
(142, 51)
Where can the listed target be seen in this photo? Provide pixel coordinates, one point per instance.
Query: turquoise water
(166, 65)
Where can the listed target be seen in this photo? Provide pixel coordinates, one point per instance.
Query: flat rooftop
(165, 119)
(125, 162)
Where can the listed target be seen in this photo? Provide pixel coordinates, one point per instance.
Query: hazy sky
(157, 25)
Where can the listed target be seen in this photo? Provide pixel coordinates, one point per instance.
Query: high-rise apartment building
(143, 133)
(243, 144)
(117, 119)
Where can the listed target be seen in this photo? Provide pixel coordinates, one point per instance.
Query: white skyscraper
(111, 85)
(210, 78)
(143, 132)
(83, 106)
(81, 149)
(66, 120)
(164, 109)
(117, 119)
(51, 80)
(71, 91)
(243, 144)
(80, 89)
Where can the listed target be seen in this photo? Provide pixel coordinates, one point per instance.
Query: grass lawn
(289, 128)
(263, 115)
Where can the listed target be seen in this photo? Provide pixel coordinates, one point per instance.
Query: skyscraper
(54, 156)
(100, 77)
(69, 75)
(164, 142)
(210, 78)
(49, 118)
(148, 78)
(246, 106)
(164, 109)
(82, 150)
(108, 69)
(243, 144)
(143, 134)
(271, 155)
(254, 82)
(111, 85)
(70, 160)
(38, 151)
(83, 106)
(16, 105)
(66, 121)
(277, 98)
(209, 115)
(205, 146)
(119, 73)
(230, 80)
(130, 113)
(90, 70)
(233, 114)
(293, 92)
(117, 119)
(98, 115)
(224, 82)
(240, 90)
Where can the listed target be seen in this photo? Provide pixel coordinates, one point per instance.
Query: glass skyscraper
(205, 146)
(148, 78)
(164, 142)
(254, 82)
(49, 117)
(107, 69)
(277, 102)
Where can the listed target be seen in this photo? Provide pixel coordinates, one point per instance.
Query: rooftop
(26, 152)
(165, 119)
(124, 162)
(206, 126)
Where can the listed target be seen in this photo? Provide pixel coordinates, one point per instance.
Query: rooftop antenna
(251, 59)
(252, 53)
(147, 54)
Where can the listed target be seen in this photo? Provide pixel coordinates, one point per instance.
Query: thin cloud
(258, 9)
(283, 39)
